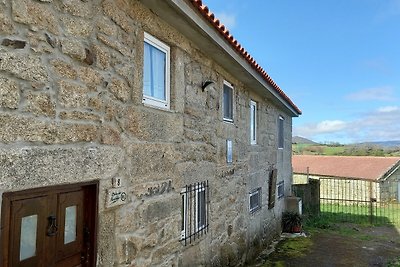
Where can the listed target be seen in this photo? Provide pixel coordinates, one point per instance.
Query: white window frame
(281, 189)
(253, 122)
(229, 85)
(190, 225)
(281, 137)
(149, 100)
(256, 191)
(184, 213)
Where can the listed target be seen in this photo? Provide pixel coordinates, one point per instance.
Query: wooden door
(49, 227)
(27, 246)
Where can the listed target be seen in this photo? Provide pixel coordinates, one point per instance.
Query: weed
(395, 262)
(291, 248)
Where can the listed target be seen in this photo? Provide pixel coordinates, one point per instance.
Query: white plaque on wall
(116, 197)
(229, 150)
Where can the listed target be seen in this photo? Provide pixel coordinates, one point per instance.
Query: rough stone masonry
(71, 111)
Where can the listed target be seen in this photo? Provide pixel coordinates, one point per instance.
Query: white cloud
(322, 127)
(384, 93)
(330, 126)
(382, 124)
(228, 19)
(388, 109)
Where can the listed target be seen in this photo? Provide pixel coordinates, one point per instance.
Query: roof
(370, 168)
(224, 32)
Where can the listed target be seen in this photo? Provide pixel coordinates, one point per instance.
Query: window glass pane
(280, 135)
(254, 201)
(70, 224)
(281, 189)
(158, 70)
(201, 209)
(183, 213)
(253, 122)
(154, 72)
(28, 237)
(228, 102)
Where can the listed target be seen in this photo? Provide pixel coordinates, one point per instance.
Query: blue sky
(338, 60)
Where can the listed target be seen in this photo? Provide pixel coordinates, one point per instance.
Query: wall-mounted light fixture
(206, 83)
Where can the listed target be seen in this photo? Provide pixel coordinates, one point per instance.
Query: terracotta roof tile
(205, 12)
(370, 168)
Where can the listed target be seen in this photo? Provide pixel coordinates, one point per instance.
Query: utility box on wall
(294, 204)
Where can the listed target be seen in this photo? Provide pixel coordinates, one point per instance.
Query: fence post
(371, 208)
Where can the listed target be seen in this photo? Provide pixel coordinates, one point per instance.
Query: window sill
(228, 120)
(254, 211)
(155, 106)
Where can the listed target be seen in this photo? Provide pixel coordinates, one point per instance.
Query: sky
(337, 60)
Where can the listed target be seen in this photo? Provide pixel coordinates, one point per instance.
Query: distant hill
(387, 144)
(302, 140)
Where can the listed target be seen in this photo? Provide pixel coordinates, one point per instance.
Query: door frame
(91, 194)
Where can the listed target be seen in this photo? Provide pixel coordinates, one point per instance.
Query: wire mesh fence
(360, 201)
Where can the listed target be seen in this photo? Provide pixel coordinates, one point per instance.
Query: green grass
(382, 214)
(343, 150)
(289, 248)
(332, 151)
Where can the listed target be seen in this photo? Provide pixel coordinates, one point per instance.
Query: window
(281, 189)
(194, 211)
(228, 102)
(156, 72)
(255, 200)
(253, 122)
(280, 132)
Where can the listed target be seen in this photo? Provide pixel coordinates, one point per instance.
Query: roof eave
(389, 172)
(182, 16)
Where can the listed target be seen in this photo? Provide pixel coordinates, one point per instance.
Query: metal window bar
(195, 219)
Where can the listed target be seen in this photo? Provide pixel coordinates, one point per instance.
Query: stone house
(135, 133)
(351, 177)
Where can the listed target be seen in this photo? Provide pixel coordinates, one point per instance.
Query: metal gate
(360, 201)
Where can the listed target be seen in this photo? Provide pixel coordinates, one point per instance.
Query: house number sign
(116, 197)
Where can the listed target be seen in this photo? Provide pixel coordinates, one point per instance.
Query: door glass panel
(28, 237)
(70, 224)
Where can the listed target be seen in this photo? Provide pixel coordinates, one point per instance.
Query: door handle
(52, 226)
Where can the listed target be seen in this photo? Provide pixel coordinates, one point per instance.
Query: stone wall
(71, 111)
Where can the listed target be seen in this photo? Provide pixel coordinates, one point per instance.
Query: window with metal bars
(255, 200)
(281, 189)
(195, 211)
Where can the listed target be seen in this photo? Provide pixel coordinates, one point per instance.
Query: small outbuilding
(382, 172)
